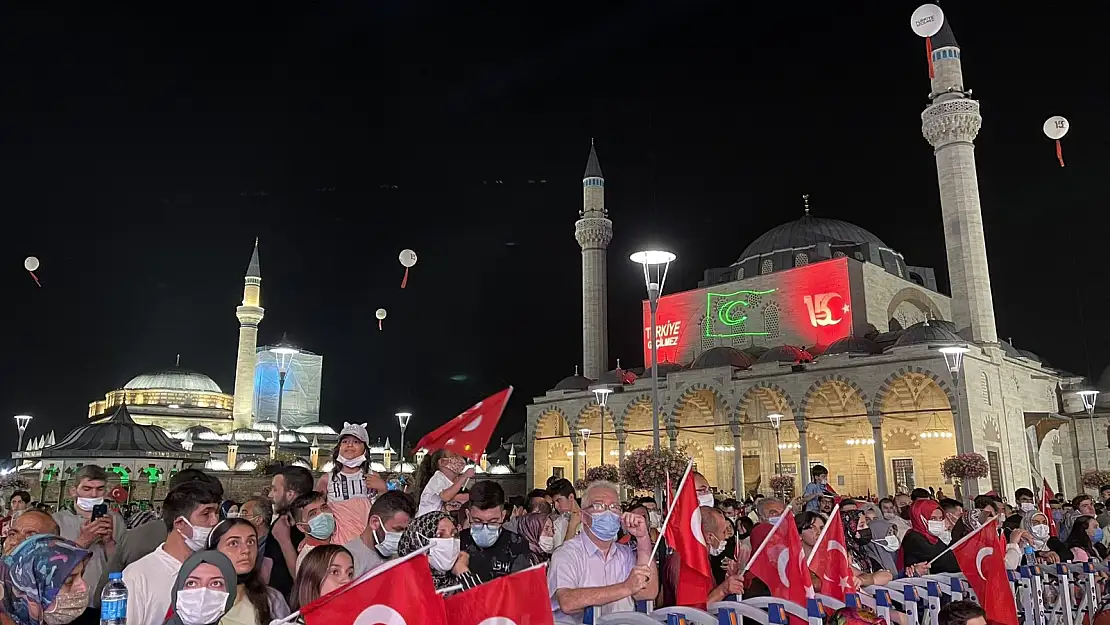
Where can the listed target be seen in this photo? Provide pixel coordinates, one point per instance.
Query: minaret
(594, 231)
(950, 124)
(250, 315)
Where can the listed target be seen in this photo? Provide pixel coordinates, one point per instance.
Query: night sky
(143, 152)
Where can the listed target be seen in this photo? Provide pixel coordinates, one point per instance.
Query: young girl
(440, 477)
(351, 486)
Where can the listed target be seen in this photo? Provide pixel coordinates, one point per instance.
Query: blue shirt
(813, 488)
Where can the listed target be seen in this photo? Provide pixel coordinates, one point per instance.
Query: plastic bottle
(113, 601)
(1030, 555)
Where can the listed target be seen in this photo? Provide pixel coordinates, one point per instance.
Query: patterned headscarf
(862, 615)
(973, 519)
(1027, 525)
(531, 527)
(416, 537)
(35, 571)
(920, 511)
(855, 548)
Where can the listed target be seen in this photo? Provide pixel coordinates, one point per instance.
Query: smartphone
(99, 510)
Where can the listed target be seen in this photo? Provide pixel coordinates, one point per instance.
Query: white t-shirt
(345, 486)
(429, 499)
(150, 580)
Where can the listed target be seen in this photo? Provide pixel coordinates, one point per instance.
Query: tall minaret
(950, 124)
(594, 231)
(250, 315)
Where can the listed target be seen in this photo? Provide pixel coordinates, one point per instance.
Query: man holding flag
(694, 532)
(780, 564)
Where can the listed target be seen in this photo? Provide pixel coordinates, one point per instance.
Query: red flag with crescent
(982, 558)
(829, 559)
(780, 563)
(1046, 508)
(468, 434)
(399, 593)
(683, 532)
(518, 599)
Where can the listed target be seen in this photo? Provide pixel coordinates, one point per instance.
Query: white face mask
(353, 463)
(199, 539)
(890, 516)
(1041, 531)
(719, 549)
(387, 545)
(200, 606)
(547, 544)
(938, 529)
(706, 500)
(1027, 506)
(890, 543)
(443, 553)
(773, 519)
(88, 503)
(655, 519)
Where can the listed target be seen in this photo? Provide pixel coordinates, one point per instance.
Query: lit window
(766, 267)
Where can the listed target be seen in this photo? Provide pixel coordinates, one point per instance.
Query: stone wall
(887, 296)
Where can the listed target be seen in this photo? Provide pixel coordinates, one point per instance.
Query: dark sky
(144, 151)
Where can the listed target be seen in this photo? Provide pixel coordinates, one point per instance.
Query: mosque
(823, 344)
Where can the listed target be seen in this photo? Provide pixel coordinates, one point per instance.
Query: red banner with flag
(401, 594)
(683, 532)
(829, 559)
(521, 598)
(468, 434)
(779, 562)
(1046, 508)
(982, 558)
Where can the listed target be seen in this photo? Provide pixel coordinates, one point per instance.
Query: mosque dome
(119, 436)
(926, 332)
(722, 356)
(805, 233)
(853, 345)
(786, 353)
(574, 383)
(173, 379)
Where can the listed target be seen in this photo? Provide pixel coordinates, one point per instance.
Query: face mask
(706, 500)
(387, 544)
(719, 549)
(890, 543)
(864, 535)
(67, 607)
(200, 606)
(1027, 506)
(605, 526)
(938, 529)
(87, 503)
(655, 519)
(353, 463)
(773, 519)
(1098, 536)
(483, 535)
(1057, 515)
(443, 553)
(199, 539)
(547, 544)
(455, 465)
(322, 526)
(890, 516)
(1041, 531)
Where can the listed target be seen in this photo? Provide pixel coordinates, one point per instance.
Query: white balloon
(31, 263)
(380, 314)
(927, 20)
(407, 258)
(1056, 127)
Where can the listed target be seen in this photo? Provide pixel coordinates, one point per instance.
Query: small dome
(853, 345)
(247, 435)
(1008, 349)
(316, 428)
(574, 383)
(119, 436)
(216, 465)
(925, 332)
(755, 351)
(248, 465)
(500, 469)
(723, 356)
(1031, 356)
(265, 425)
(664, 369)
(944, 323)
(786, 353)
(805, 233)
(617, 376)
(173, 379)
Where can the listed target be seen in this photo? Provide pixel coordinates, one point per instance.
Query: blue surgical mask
(484, 536)
(773, 519)
(321, 526)
(1098, 536)
(605, 526)
(1058, 515)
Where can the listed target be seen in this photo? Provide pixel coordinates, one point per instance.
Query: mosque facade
(821, 344)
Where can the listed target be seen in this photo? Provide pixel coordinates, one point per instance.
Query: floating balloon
(380, 314)
(408, 259)
(926, 22)
(31, 264)
(1055, 128)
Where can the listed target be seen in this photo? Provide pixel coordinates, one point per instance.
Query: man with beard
(286, 486)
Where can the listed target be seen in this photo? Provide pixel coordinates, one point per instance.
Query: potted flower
(783, 485)
(605, 472)
(646, 469)
(1096, 479)
(969, 466)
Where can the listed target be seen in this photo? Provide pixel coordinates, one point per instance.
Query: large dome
(173, 379)
(807, 232)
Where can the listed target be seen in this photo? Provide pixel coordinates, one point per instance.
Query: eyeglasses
(494, 526)
(598, 508)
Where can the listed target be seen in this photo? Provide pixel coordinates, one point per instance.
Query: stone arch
(832, 377)
(635, 402)
(549, 431)
(919, 401)
(751, 392)
(636, 425)
(699, 421)
(898, 437)
(915, 297)
(692, 390)
(884, 388)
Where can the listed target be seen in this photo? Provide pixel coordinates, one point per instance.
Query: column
(880, 453)
(803, 455)
(575, 460)
(737, 460)
(620, 457)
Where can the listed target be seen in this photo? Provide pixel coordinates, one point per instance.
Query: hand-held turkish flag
(468, 434)
(779, 562)
(1046, 508)
(520, 598)
(683, 532)
(829, 559)
(401, 594)
(982, 558)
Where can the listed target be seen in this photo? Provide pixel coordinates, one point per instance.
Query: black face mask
(864, 535)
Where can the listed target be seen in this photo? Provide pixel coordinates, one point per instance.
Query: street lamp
(601, 394)
(776, 421)
(954, 359)
(655, 263)
(1089, 396)
(585, 433)
(284, 352)
(403, 421)
(21, 421)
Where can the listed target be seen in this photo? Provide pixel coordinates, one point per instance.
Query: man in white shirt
(568, 523)
(190, 512)
(389, 518)
(592, 569)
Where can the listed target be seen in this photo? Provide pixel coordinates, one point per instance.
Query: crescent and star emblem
(979, 557)
(380, 615)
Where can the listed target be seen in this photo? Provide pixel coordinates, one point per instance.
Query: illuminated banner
(806, 306)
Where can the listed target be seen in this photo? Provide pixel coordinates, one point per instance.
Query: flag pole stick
(670, 510)
(444, 591)
(751, 559)
(832, 515)
(964, 539)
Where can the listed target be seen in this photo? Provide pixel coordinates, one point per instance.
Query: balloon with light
(1055, 128)
(408, 259)
(31, 264)
(926, 22)
(380, 314)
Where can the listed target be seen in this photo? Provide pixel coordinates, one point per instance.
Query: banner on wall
(805, 306)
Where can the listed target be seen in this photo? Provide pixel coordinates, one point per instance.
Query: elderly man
(591, 569)
(716, 530)
(28, 524)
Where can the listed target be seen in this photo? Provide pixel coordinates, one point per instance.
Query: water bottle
(113, 601)
(1030, 556)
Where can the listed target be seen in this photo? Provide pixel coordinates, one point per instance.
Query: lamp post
(403, 421)
(21, 421)
(585, 434)
(655, 263)
(954, 360)
(284, 352)
(1089, 397)
(601, 394)
(776, 421)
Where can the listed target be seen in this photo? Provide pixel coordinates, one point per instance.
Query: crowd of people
(201, 558)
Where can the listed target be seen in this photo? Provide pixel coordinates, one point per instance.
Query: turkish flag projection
(402, 594)
(1046, 508)
(520, 598)
(982, 558)
(683, 532)
(779, 562)
(829, 559)
(468, 434)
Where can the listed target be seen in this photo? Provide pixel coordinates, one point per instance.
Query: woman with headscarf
(449, 566)
(229, 509)
(1039, 534)
(929, 537)
(204, 590)
(41, 581)
(538, 530)
(884, 544)
(857, 533)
